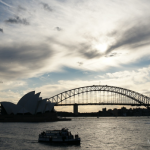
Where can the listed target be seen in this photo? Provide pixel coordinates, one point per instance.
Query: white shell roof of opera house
(29, 103)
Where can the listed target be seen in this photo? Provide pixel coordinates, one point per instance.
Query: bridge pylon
(75, 109)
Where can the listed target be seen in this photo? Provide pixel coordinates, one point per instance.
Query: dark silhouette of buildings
(110, 112)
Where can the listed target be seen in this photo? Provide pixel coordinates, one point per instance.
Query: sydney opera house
(30, 107)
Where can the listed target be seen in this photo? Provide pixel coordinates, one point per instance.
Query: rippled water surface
(96, 133)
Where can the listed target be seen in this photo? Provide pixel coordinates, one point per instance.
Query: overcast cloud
(1, 30)
(71, 39)
(46, 7)
(17, 20)
(18, 60)
(134, 37)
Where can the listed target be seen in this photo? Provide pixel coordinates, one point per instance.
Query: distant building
(104, 112)
(30, 103)
(104, 109)
(115, 112)
(123, 111)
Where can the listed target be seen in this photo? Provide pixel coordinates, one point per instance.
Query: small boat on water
(59, 136)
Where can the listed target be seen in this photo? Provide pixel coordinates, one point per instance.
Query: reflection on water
(127, 133)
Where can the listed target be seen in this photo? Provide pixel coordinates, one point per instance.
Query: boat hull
(60, 141)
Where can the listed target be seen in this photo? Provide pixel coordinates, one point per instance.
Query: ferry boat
(59, 136)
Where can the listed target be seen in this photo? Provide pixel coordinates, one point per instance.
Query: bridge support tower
(75, 109)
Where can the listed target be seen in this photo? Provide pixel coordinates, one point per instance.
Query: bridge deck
(102, 104)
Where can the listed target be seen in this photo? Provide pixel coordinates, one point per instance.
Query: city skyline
(53, 46)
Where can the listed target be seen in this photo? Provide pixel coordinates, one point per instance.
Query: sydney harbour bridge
(100, 95)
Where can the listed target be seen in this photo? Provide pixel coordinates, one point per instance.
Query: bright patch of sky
(52, 46)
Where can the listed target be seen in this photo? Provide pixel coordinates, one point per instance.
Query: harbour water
(114, 133)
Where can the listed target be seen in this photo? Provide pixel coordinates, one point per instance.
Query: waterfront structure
(30, 104)
(100, 95)
(59, 137)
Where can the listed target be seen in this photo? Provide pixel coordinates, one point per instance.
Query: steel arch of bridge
(135, 96)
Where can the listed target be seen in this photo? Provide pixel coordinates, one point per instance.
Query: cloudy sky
(53, 46)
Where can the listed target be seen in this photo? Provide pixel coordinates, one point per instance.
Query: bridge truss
(101, 95)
